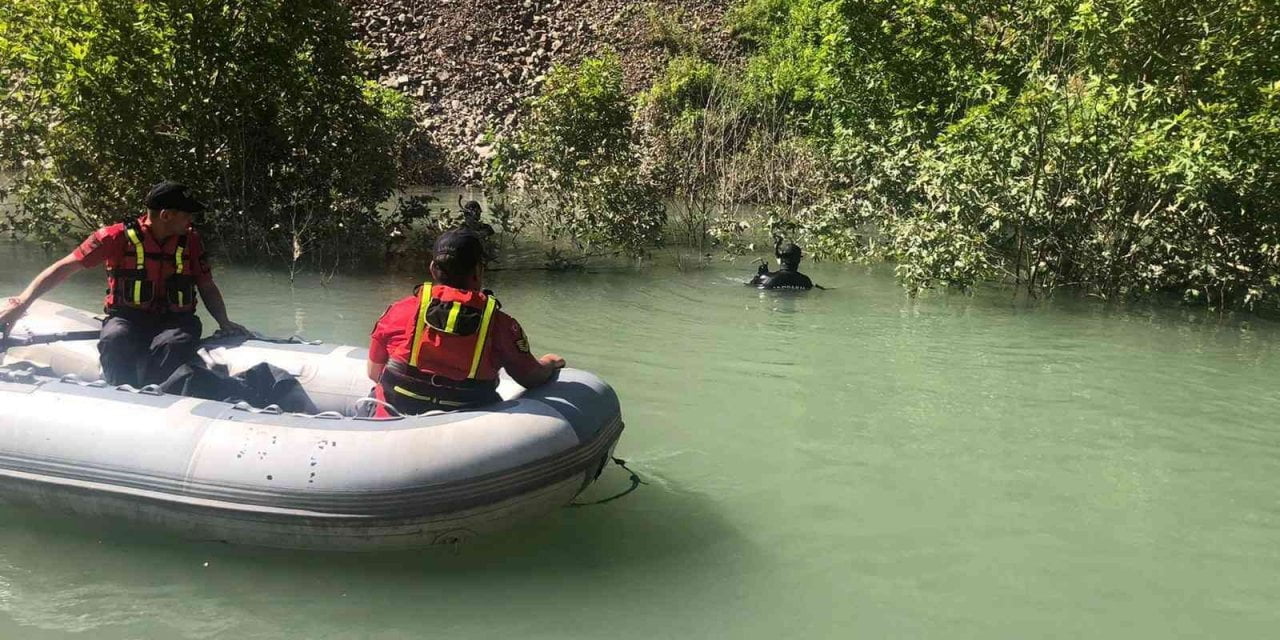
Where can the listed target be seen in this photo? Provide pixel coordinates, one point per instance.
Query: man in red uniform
(441, 348)
(155, 266)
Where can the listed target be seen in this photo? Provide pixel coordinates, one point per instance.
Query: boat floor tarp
(260, 386)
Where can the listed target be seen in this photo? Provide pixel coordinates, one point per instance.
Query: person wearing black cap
(788, 275)
(156, 269)
(441, 348)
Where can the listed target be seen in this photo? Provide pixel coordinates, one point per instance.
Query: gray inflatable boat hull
(213, 470)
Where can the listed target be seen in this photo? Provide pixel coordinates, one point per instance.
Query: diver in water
(788, 275)
(471, 219)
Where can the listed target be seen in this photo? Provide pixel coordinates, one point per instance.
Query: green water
(850, 463)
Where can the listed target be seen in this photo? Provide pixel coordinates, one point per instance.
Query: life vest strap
(179, 262)
(489, 305)
(419, 322)
(140, 262)
(419, 377)
(140, 252)
(441, 401)
(412, 391)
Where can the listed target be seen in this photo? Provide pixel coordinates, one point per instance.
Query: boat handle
(72, 378)
(271, 409)
(17, 376)
(395, 413)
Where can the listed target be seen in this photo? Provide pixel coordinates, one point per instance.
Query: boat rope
(222, 337)
(635, 483)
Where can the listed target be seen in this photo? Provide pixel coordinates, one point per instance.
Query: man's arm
(762, 272)
(217, 308)
(52, 276)
(377, 360)
(513, 352)
(548, 365)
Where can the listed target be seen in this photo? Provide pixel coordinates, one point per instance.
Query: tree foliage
(728, 160)
(572, 171)
(260, 106)
(1121, 146)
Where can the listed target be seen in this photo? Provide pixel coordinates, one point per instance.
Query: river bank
(471, 78)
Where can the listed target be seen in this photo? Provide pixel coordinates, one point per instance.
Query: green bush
(260, 106)
(715, 148)
(572, 171)
(671, 28)
(686, 87)
(1123, 147)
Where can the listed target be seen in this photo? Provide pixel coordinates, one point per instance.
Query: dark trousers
(142, 348)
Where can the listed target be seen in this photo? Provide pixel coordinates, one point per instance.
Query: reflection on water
(849, 463)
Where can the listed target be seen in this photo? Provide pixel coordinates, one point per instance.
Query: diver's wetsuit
(471, 219)
(477, 227)
(786, 277)
(782, 279)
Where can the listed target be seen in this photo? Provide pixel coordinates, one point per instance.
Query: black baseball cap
(460, 249)
(173, 195)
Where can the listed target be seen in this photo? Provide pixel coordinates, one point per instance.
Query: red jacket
(144, 274)
(451, 355)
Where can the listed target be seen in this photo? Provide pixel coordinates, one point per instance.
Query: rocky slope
(470, 65)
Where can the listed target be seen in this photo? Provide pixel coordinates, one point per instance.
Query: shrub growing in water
(1121, 146)
(572, 171)
(260, 106)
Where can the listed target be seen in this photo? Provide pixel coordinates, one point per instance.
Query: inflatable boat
(256, 475)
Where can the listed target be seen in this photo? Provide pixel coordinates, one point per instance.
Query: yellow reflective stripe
(405, 392)
(453, 317)
(424, 296)
(489, 305)
(139, 253)
(178, 264)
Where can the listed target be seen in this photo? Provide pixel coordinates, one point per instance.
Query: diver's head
(471, 209)
(789, 256)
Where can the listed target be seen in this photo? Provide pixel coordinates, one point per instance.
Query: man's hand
(232, 328)
(546, 372)
(10, 311)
